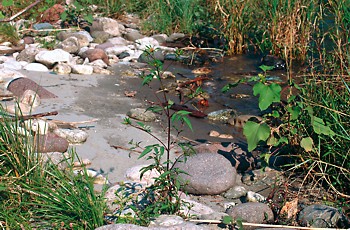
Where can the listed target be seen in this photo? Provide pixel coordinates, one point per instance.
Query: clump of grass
(8, 33)
(38, 194)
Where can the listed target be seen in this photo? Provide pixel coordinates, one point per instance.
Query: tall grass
(39, 194)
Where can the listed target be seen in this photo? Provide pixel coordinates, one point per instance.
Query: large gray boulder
(107, 25)
(206, 174)
(253, 212)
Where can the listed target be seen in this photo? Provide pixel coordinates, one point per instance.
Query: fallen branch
(193, 113)
(124, 148)
(21, 12)
(27, 117)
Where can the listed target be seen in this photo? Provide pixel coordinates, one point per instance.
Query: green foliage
(36, 193)
(269, 93)
(255, 133)
(8, 33)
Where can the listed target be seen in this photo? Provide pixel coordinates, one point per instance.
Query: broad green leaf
(64, 16)
(307, 144)
(294, 112)
(272, 141)
(268, 94)
(6, 3)
(266, 67)
(254, 133)
(89, 18)
(275, 114)
(320, 127)
(227, 220)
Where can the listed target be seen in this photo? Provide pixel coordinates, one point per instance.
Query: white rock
(100, 70)
(62, 68)
(99, 63)
(75, 136)
(36, 67)
(82, 69)
(191, 207)
(31, 98)
(118, 41)
(37, 125)
(86, 34)
(9, 75)
(143, 43)
(51, 57)
(255, 197)
(107, 25)
(134, 174)
(116, 50)
(12, 64)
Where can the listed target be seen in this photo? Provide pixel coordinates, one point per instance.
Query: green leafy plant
(301, 127)
(163, 196)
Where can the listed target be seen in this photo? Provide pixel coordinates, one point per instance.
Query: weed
(163, 196)
(36, 193)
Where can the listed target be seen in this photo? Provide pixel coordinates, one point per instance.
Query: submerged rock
(222, 115)
(141, 114)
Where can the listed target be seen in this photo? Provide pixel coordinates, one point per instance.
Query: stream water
(239, 98)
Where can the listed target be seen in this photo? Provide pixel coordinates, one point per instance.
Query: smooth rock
(144, 43)
(19, 85)
(323, 216)
(12, 64)
(28, 54)
(141, 114)
(36, 67)
(222, 115)
(255, 197)
(161, 38)
(28, 40)
(235, 192)
(146, 58)
(73, 136)
(207, 174)
(98, 63)
(118, 41)
(95, 54)
(100, 70)
(100, 36)
(9, 75)
(42, 26)
(193, 208)
(117, 50)
(71, 45)
(175, 36)
(38, 126)
(257, 213)
(62, 68)
(148, 177)
(107, 25)
(31, 98)
(82, 69)
(51, 57)
(50, 143)
(86, 34)
(105, 45)
(133, 35)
